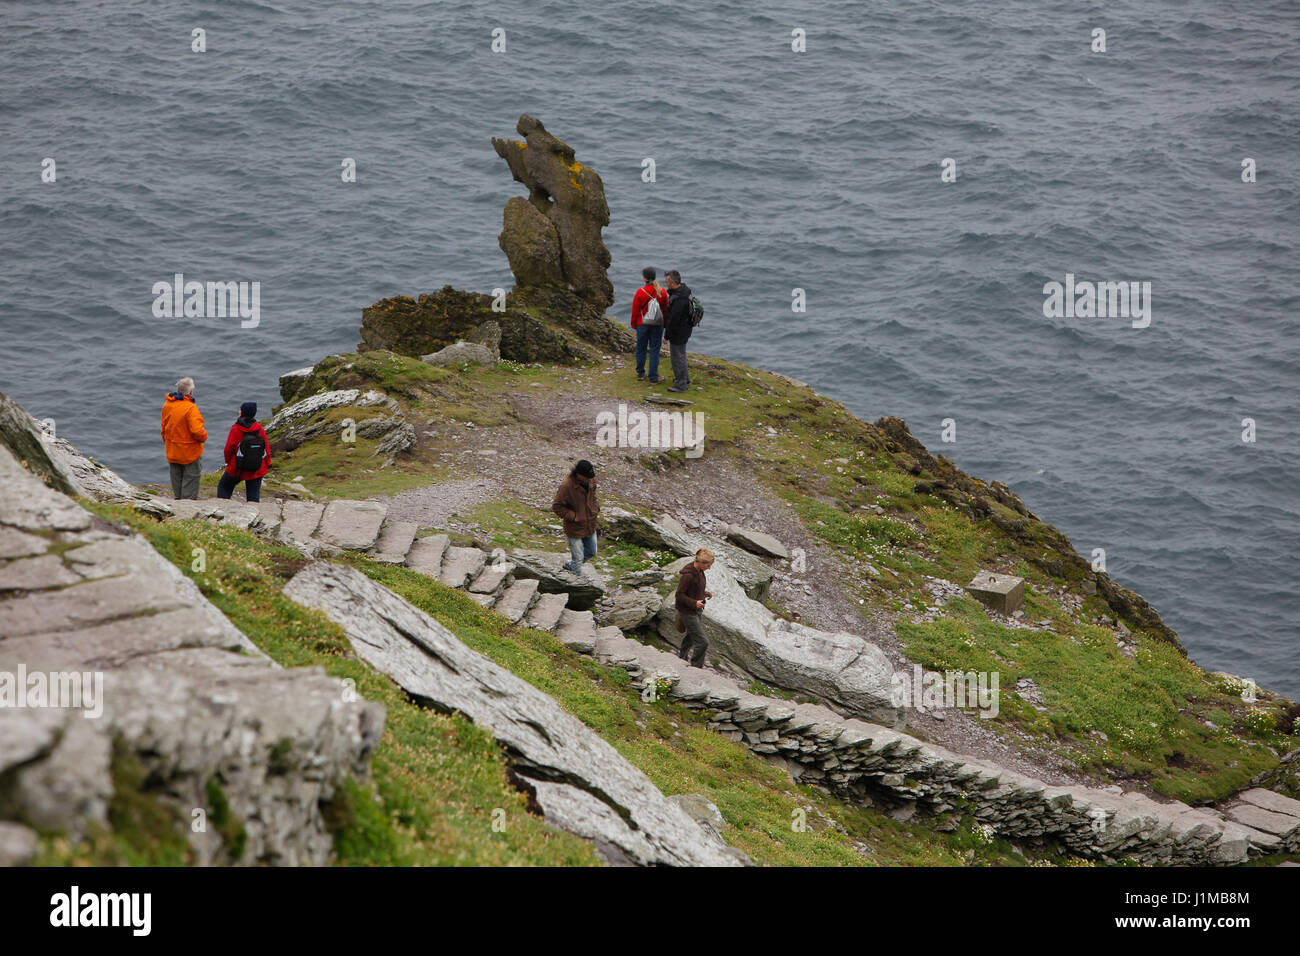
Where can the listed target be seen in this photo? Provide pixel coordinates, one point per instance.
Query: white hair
(185, 386)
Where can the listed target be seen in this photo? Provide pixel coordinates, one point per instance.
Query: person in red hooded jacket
(248, 455)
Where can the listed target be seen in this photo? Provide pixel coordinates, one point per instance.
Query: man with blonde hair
(691, 595)
(183, 436)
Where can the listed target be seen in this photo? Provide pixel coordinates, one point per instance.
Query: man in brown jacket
(691, 595)
(576, 504)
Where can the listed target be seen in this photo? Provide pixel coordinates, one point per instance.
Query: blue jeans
(582, 550)
(227, 485)
(649, 338)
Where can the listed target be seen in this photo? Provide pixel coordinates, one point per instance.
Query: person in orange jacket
(183, 436)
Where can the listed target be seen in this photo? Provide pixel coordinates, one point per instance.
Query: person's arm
(561, 506)
(638, 306)
(682, 600)
(232, 443)
(197, 431)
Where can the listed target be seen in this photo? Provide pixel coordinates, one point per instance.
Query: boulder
(553, 236)
(18, 844)
(291, 382)
(185, 693)
(301, 411)
(23, 436)
(629, 609)
(757, 542)
(579, 780)
(352, 525)
(848, 673)
(488, 335)
(547, 568)
(668, 534)
(461, 353)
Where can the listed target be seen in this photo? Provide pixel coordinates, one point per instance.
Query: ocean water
(775, 170)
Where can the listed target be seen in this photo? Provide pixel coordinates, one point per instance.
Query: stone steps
(517, 600)
(425, 555)
(395, 542)
(545, 614)
(460, 566)
(577, 630)
(492, 578)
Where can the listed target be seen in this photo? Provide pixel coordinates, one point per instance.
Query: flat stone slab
(545, 614)
(301, 518)
(460, 566)
(757, 542)
(577, 630)
(583, 590)
(426, 554)
(394, 542)
(517, 599)
(491, 578)
(1282, 825)
(1004, 593)
(551, 745)
(1271, 800)
(352, 525)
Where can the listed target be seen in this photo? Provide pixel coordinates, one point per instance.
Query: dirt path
(555, 429)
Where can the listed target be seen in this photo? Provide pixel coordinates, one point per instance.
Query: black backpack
(251, 451)
(697, 311)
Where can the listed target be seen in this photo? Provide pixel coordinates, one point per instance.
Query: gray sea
(775, 170)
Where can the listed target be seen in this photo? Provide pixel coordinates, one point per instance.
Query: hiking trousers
(694, 644)
(185, 479)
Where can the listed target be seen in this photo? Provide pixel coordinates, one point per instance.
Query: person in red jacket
(248, 455)
(649, 337)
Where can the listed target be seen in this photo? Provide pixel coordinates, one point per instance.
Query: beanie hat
(248, 410)
(585, 469)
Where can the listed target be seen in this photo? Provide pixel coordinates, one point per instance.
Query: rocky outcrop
(175, 690)
(548, 568)
(667, 534)
(580, 781)
(848, 673)
(22, 435)
(553, 236)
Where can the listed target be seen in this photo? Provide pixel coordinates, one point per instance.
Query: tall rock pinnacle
(553, 236)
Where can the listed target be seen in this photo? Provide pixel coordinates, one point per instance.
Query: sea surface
(775, 170)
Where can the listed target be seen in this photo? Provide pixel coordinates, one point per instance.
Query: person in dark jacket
(690, 598)
(252, 465)
(677, 328)
(575, 503)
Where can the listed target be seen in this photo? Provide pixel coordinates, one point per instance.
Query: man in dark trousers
(691, 595)
(677, 328)
(576, 505)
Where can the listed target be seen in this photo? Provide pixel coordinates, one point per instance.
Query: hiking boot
(654, 381)
(677, 388)
(640, 376)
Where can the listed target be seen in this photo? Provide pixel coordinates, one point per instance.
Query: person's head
(649, 273)
(672, 278)
(248, 410)
(185, 387)
(704, 559)
(585, 469)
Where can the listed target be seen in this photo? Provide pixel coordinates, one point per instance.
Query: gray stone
(757, 542)
(460, 566)
(544, 742)
(843, 669)
(18, 844)
(517, 599)
(301, 518)
(491, 578)
(188, 695)
(352, 525)
(577, 631)
(394, 542)
(583, 591)
(426, 554)
(461, 353)
(290, 382)
(545, 612)
(398, 441)
(22, 435)
(1004, 593)
(308, 407)
(630, 610)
